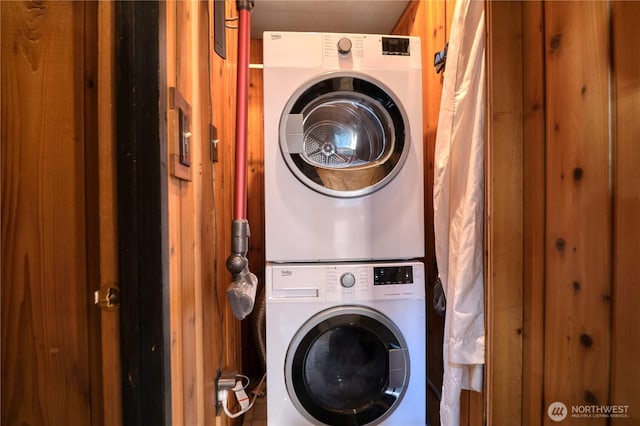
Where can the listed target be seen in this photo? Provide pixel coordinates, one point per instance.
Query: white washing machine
(346, 344)
(343, 161)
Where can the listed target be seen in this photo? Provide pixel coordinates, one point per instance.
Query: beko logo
(276, 36)
(286, 272)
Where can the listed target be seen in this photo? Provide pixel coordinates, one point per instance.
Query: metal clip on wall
(440, 59)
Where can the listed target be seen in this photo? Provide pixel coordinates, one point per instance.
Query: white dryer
(343, 161)
(346, 344)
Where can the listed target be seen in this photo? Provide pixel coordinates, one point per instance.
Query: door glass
(346, 368)
(339, 367)
(344, 136)
(343, 130)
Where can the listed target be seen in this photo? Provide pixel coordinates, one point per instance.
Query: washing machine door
(344, 135)
(348, 365)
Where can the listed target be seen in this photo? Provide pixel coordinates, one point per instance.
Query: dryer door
(347, 365)
(344, 135)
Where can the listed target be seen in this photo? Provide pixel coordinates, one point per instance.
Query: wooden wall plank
(173, 63)
(107, 215)
(221, 331)
(534, 210)
(200, 127)
(450, 7)
(212, 320)
(92, 201)
(626, 195)
(504, 213)
(578, 242)
(186, 242)
(205, 335)
(220, 322)
(45, 345)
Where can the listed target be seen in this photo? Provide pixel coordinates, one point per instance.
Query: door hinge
(108, 298)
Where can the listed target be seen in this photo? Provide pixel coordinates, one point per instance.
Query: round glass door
(347, 365)
(344, 136)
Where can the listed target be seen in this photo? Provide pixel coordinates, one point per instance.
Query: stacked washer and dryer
(345, 296)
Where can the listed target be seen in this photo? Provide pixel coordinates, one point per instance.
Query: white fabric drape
(458, 201)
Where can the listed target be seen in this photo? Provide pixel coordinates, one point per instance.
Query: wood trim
(107, 196)
(534, 210)
(90, 135)
(142, 215)
(625, 374)
(179, 170)
(504, 213)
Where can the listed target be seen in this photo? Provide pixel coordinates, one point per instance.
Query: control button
(344, 46)
(347, 280)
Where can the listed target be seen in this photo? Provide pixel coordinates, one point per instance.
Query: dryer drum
(346, 131)
(344, 136)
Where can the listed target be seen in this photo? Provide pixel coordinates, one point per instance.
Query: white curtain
(458, 199)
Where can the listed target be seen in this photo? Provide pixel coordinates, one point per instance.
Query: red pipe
(242, 101)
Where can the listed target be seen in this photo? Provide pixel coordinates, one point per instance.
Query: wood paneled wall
(504, 214)
(205, 337)
(50, 334)
(563, 207)
(563, 86)
(562, 224)
(625, 291)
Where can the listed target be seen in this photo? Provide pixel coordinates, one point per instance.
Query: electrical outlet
(225, 381)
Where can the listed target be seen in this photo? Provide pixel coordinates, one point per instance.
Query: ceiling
(351, 16)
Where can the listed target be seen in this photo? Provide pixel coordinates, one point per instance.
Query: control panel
(390, 275)
(348, 281)
(395, 46)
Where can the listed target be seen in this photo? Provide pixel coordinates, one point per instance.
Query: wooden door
(58, 243)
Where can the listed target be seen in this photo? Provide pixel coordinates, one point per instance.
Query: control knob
(344, 46)
(347, 280)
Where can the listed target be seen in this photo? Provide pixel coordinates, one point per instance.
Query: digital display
(395, 46)
(389, 275)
